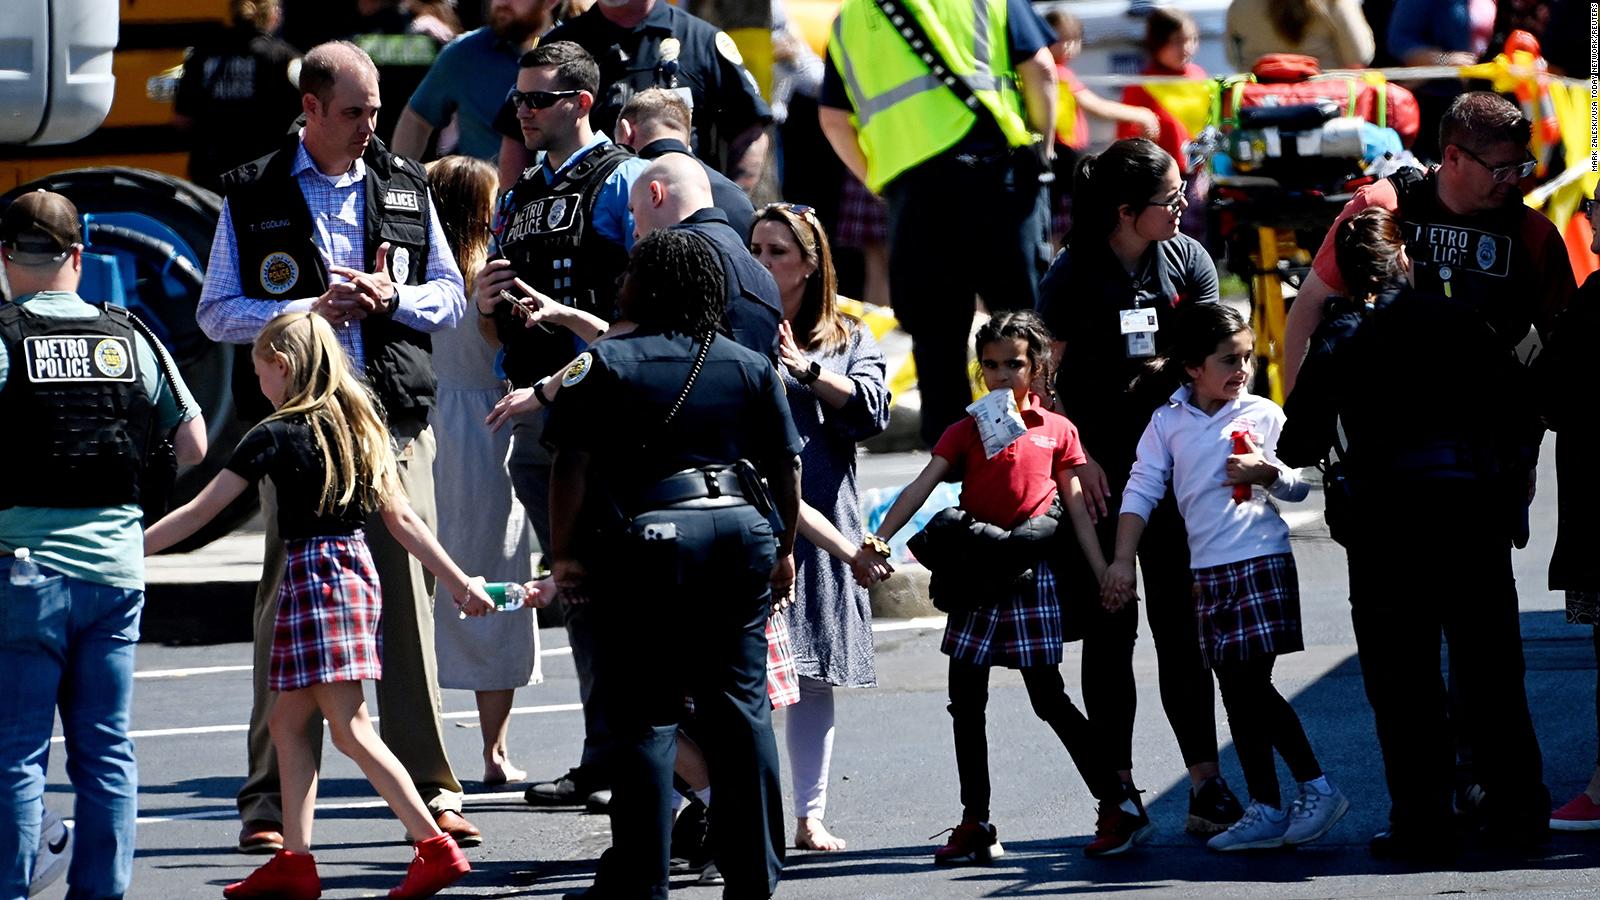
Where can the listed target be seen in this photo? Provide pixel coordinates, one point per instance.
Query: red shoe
(1117, 831)
(286, 876)
(970, 842)
(438, 864)
(1580, 814)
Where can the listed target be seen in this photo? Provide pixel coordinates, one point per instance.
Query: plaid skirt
(863, 218)
(328, 610)
(783, 681)
(1016, 632)
(1247, 609)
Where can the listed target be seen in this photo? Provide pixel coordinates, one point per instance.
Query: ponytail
(1128, 173)
(1366, 247)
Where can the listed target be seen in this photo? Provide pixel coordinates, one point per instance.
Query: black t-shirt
(237, 92)
(1026, 34)
(1081, 300)
(282, 449)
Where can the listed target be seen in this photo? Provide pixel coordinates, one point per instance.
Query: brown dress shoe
(261, 836)
(464, 833)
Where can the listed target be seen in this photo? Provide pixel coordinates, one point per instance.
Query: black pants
(956, 231)
(969, 700)
(1445, 567)
(1261, 720)
(1109, 693)
(706, 590)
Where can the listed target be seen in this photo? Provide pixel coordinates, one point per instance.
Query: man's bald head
(667, 192)
(327, 63)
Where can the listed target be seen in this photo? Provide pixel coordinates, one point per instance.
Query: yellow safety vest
(904, 115)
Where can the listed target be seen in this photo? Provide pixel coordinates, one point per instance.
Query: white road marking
(185, 673)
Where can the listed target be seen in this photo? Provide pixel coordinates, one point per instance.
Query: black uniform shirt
(615, 396)
(727, 196)
(754, 307)
(1081, 300)
(237, 92)
(724, 97)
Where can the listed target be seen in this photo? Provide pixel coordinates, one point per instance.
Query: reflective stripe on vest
(904, 114)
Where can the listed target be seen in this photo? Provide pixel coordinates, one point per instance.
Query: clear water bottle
(25, 572)
(508, 596)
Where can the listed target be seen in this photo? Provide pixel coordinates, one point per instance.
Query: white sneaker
(55, 852)
(1261, 828)
(1320, 807)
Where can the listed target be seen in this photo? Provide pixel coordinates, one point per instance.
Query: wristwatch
(877, 545)
(538, 391)
(811, 373)
(393, 303)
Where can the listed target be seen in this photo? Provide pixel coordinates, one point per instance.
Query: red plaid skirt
(328, 611)
(1248, 609)
(783, 682)
(863, 218)
(1016, 632)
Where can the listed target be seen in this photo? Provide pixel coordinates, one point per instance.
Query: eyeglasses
(540, 99)
(1505, 174)
(1175, 205)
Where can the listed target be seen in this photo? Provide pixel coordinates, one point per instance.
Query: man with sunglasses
(1468, 233)
(564, 230)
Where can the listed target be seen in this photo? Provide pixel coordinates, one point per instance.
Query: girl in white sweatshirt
(1215, 442)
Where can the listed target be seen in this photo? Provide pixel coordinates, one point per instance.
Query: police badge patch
(729, 49)
(558, 210)
(1486, 252)
(400, 265)
(279, 272)
(111, 358)
(578, 370)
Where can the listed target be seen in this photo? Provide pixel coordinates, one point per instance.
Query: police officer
(660, 520)
(673, 193)
(564, 234)
(641, 44)
(84, 393)
(949, 144)
(656, 122)
(1427, 497)
(331, 221)
(1469, 235)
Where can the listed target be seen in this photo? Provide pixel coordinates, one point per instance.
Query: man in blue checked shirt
(334, 223)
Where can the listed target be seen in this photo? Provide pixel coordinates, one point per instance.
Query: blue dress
(830, 622)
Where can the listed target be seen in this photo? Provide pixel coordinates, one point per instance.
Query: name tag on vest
(78, 358)
(543, 216)
(406, 201)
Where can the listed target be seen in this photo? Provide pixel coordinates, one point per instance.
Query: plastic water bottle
(25, 572)
(508, 596)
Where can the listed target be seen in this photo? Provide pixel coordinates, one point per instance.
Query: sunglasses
(540, 99)
(1507, 173)
(799, 210)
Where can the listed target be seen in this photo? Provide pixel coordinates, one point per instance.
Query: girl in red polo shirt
(1018, 629)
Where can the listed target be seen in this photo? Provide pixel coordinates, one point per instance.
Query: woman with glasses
(834, 373)
(1110, 298)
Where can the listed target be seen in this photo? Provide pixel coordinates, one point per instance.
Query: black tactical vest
(548, 234)
(1483, 259)
(80, 420)
(278, 260)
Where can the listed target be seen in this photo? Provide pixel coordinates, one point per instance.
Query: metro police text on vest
(61, 358)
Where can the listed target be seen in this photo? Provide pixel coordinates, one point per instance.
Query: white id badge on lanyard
(1139, 327)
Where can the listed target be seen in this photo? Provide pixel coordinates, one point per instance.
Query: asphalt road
(893, 779)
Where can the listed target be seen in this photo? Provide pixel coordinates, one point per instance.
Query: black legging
(1261, 720)
(1597, 684)
(969, 698)
(1109, 693)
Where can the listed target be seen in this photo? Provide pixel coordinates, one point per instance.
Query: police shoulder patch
(578, 369)
(729, 49)
(279, 272)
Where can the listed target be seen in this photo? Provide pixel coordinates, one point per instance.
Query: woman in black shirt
(1110, 298)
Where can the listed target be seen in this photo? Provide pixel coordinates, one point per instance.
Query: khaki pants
(408, 694)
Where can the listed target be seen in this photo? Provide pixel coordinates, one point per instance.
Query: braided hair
(674, 283)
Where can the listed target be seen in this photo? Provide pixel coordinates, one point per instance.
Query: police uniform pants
(530, 478)
(408, 693)
(1109, 693)
(707, 590)
(956, 231)
(1445, 567)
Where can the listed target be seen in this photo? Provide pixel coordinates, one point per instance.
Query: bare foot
(809, 834)
(502, 773)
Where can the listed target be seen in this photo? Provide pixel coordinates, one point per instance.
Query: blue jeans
(70, 642)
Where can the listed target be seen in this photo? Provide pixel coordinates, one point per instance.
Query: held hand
(789, 352)
(340, 303)
(520, 402)
(1116, 585)
(541, 593)
(375, 287)
(869, 568)
(1096, 489)
(495, 276)
(783, 583)
(475, 602)
(570, 581)
(1250, 467)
